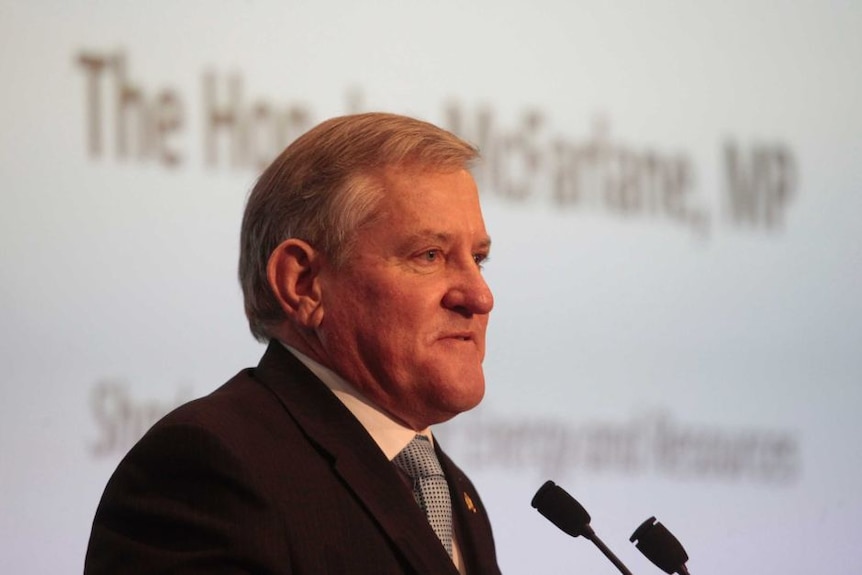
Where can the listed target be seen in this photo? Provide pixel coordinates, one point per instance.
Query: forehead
(431, 204)
(409, 189)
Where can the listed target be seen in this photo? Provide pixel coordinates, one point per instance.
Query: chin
(446, 393)
(464, 397)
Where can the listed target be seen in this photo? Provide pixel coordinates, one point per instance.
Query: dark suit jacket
(272, 474)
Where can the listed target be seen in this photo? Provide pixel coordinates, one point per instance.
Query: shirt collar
(390, 435)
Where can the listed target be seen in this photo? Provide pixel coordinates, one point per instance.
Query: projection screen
(673, 191)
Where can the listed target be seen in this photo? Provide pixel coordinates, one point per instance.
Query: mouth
(459, 336)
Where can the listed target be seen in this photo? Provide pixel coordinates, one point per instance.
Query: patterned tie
(419, 461)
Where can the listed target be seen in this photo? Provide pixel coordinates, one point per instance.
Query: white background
(118, 273)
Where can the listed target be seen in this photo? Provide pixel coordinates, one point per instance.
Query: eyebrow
(485, 243)
(443, 237)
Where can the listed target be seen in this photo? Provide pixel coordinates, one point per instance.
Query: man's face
(404, 319)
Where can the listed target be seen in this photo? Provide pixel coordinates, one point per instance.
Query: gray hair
(324, 187)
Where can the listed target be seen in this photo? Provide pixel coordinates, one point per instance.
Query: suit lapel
(477, 545)
(355, 457)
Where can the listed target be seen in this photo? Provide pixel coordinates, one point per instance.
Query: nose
(468, 293)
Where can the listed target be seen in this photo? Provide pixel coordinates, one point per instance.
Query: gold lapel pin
(469, 503)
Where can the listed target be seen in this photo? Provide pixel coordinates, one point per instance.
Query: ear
(293, 275)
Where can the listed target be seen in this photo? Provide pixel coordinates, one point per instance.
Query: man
(361, 254)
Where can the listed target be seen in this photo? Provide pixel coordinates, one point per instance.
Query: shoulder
(205, 474)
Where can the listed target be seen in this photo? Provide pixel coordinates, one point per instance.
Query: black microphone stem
(591, 535)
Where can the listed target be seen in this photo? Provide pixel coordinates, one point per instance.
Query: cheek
(393, 319)
(343, 320)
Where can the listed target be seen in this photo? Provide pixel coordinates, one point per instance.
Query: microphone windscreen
(660, 546)
(561, 509)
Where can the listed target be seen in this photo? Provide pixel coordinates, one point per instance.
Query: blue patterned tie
(419, 461)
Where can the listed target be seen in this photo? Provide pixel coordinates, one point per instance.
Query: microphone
(565, 512)
(661, 547)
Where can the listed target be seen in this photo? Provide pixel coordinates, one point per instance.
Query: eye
(481, 260)
(430, 255)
